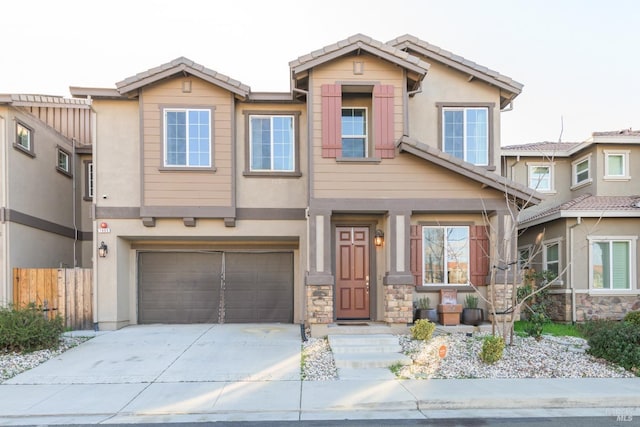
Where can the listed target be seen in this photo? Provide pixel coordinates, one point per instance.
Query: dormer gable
(181, 66)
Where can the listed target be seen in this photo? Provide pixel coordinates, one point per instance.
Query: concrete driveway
(177, 353)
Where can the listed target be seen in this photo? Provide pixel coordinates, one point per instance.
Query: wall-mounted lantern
(103, 250)
(378, 240)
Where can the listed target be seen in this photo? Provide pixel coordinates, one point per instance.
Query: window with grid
(581, 171)
(63, 161)
(187, 138)
(465, 134)
(540, 177)
(354, 132)
(551, 257)
(272, 143)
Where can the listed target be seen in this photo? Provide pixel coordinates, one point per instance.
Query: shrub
(619, 343)
(492, 348)
(26, 329)
(592, 327)
(534, 326)
(422, 330)
(633, 317)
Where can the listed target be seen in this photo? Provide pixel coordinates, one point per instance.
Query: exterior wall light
(103, 250)
(378, 240)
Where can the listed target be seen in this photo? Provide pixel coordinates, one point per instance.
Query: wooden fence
(67, 292)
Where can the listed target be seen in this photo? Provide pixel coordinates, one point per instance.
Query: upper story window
(616, 165)
(465, 133)
(24, 139)
(541, 177)
(187, 138)
(445, 255)
(354, 132)
(581, 171)
(88, 180)
(611, 263)
(272, 143)
(358, 122)
(63, 163)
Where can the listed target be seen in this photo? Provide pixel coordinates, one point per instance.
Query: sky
(578, 59)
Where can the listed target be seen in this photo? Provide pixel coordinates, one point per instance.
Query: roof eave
(529, 196)
(297, 69)
(94, 92)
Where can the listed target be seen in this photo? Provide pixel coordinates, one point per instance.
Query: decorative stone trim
(398, 303)
(319, 304)
(590, 307)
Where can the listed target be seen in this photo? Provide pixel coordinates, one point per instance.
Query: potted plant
(471, 314)
(424, 310)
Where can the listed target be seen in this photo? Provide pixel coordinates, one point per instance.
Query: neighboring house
(372, 182)
(589, 222)
(45, 196)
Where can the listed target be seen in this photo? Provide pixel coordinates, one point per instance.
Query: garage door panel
(184, 287)
(177, 287)
(258, 287)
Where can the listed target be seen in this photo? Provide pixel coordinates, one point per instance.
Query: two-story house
(45, 191)
(586, 230)
(374, 180)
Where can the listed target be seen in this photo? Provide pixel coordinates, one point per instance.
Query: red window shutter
(479, 254)
(415, 239)
(331, 120)
(383, 121)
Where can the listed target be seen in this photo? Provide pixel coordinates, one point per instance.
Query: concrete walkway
(195, 373)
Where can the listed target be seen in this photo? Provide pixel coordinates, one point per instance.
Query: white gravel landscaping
(551, 357)
(12, 364)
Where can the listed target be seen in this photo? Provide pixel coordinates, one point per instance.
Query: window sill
(64, 172)
(274, 174)
(547, 191)
(614, 292)
(362, 160)
(186, 169)
(24, 151)
(438, 288)
(582, 184)
(617, 178)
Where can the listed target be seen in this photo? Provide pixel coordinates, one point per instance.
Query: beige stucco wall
(266, 191)
(444, 84)
(193, 187)
(117, 274)
(117, 153)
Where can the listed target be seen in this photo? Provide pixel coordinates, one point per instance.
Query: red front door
(352, 273)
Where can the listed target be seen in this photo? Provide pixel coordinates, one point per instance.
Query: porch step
(358, 329)
(366, 352)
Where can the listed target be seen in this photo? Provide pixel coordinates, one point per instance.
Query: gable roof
(359, 42)
(585, 205)
(567, 149)
(182, 65)
(469, 170)
(473, 69)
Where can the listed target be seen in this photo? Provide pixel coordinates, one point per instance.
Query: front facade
(586, 230)
(374, 181)
(45, 208)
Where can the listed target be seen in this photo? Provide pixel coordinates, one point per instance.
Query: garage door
(211, 287)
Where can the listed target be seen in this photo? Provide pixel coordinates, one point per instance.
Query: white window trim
(366, 129)
(445, 261)
(633, 242)
(90, 178)
(574, 182)
(293, 142)
(625, 162)
(551, 166)
(545, 244)
(64, 170)
(164, 142)
(464, 131)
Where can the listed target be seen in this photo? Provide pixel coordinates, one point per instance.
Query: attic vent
(186, 86)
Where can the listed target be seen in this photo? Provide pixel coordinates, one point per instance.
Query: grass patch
(550, 328)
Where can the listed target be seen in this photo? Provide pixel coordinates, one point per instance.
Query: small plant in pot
(424, 310)
(471, 314)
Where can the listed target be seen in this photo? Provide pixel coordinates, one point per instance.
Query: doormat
(352, 324)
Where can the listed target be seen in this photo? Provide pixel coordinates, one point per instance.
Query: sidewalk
(166, 389)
